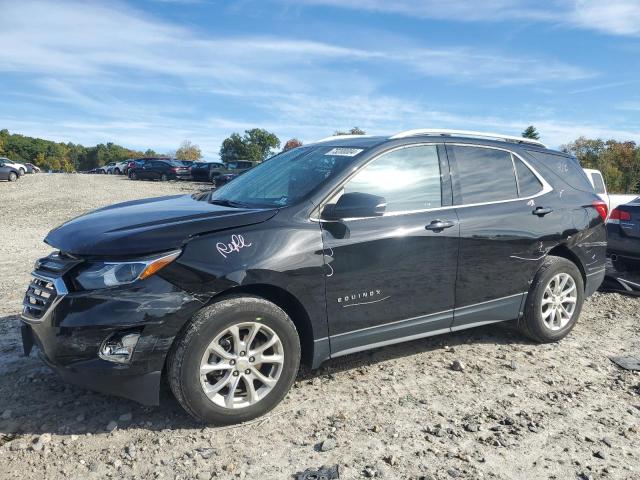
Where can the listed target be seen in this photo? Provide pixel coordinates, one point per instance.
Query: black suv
(331, 248)
(206, 171)
(230, 171)
(159, 170)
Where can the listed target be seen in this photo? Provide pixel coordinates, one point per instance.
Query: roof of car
(367, 141)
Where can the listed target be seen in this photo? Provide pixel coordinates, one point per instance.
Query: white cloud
(618, 17)
(139, 81)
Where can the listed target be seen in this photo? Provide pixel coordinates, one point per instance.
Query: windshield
(286, 178)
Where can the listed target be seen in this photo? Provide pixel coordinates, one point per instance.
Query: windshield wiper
(228, 203)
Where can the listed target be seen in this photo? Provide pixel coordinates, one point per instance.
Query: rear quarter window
(566, 168)
(528, 183)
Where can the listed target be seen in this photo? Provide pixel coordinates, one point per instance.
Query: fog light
(119, 348)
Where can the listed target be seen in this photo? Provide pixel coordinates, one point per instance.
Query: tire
(625, 264)
(22, 171)
(116, 171)
(12, 176)
(188, 354)
(163, 177)
(133, 176)
(552, 329)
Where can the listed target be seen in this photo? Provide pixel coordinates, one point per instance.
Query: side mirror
(355, 204)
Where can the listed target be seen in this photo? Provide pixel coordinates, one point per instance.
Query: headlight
(110, 274)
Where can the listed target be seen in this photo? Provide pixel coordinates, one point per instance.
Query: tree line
(618, 161)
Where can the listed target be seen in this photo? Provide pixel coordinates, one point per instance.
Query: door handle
(439, 225)
(542, 211)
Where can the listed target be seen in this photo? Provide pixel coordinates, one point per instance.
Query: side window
(408, 178)
(528, 183)
(484, 174)
(598, 183)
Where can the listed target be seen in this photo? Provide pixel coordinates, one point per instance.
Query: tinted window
(567, 168)
(409, 179)
(528, 183)
(598, 183)
(484, 174)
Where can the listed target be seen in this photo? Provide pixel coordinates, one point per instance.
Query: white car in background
(612, 200)
(115, 168)
(21, 167)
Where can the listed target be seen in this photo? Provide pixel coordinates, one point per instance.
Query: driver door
(392, 277)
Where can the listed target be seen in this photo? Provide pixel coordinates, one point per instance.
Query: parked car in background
(206, 171)
(339, 246)
(623, 242)
(160, 170)
(116, 168)
(20, 167)
(31, 168)
(8, 171)
(139, 162)
(611, 199)
(232, 170)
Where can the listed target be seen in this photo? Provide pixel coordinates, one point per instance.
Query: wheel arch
(291, 306)
(283, 299)
(565, 252)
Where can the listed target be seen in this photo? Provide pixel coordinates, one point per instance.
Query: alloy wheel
(241, 365)
(559, 301)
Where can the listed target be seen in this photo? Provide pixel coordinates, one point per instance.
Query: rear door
(392, 277)
(496, 194)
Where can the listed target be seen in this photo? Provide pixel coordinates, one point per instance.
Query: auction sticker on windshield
(344, 152)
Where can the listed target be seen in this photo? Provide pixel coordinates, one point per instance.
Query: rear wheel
(133, 176)
(117, 171)
(12, 176)
(163, 177)
(236, 360)
(554, 301)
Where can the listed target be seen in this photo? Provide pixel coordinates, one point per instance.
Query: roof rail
(467, 133)
(336, 137)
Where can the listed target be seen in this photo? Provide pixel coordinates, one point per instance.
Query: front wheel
(554, 301)
(12, 176)
(236, 360)
(133, 176)
(163, 177)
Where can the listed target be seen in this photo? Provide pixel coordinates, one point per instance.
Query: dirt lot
(516, 410)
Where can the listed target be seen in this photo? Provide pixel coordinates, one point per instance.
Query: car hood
(148, 226)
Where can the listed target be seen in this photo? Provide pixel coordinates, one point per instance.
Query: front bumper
(71, 331)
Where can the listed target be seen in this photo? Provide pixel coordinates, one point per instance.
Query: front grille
(43, 294)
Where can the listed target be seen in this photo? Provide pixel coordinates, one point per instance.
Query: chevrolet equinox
(342, 245)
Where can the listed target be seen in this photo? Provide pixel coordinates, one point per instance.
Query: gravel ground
(509, 409)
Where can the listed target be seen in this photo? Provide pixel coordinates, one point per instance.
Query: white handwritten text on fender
(237, 243)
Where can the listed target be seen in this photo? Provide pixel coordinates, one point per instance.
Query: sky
(151, 73)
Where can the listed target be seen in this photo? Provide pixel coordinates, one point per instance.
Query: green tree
(531, 132)
(4, 133)
(40, 160)
(619, 162)
(292, 143)
(256, 144)
(353, 131)
(188, 151)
